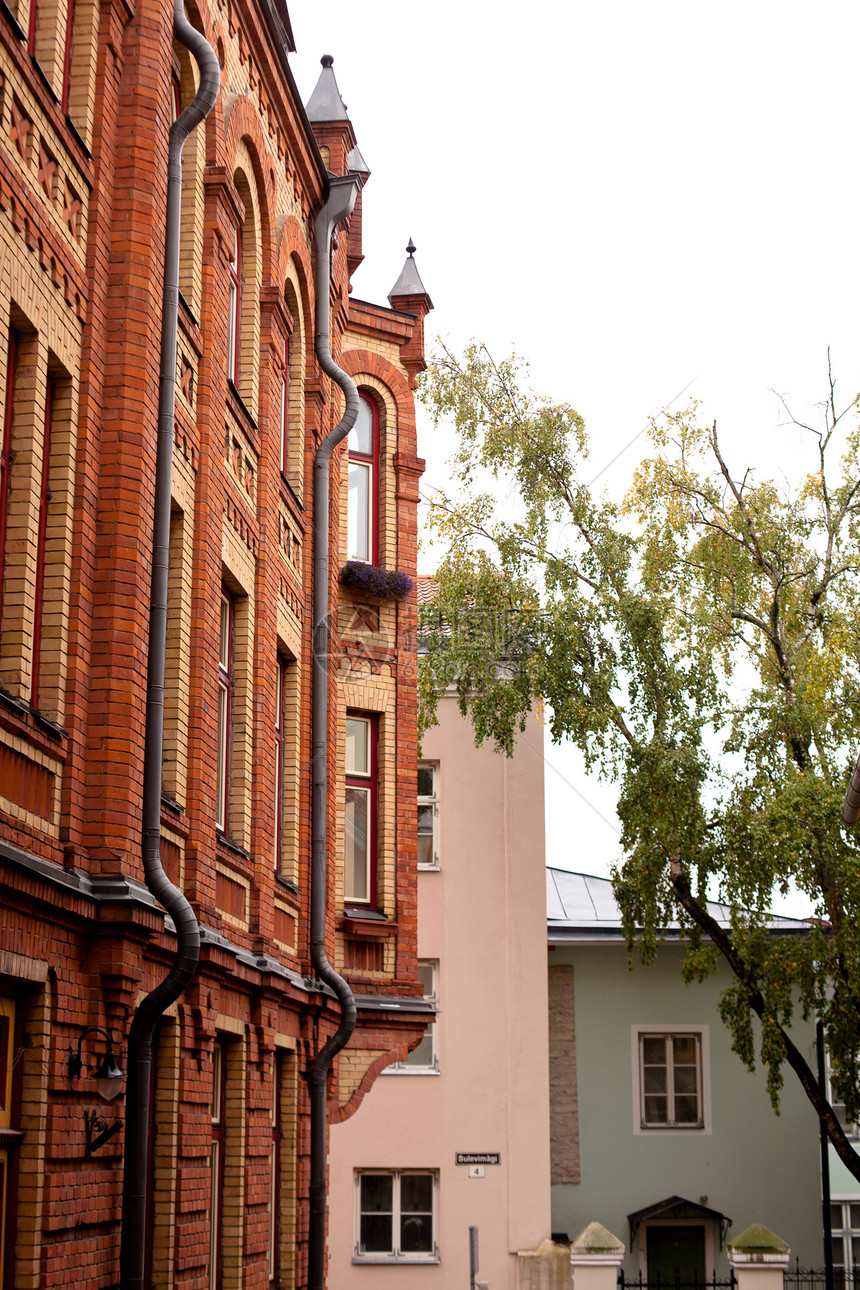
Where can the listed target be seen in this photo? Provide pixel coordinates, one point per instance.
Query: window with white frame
(423, 1059)
(396, 1215)
(845, 1243)
(670, 1087)
(852, 1130)
(428, 811)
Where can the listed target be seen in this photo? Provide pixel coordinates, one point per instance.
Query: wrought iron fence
(798, 1278)
(698, 1283)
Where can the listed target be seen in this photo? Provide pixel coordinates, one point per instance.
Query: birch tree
(700, 644)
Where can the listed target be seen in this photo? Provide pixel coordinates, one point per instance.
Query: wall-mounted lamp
(109, 1079)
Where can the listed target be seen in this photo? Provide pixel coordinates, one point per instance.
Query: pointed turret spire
(408, 296)
(325, 104)
(409, 283)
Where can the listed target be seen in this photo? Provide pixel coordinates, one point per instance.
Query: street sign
(478, 1158)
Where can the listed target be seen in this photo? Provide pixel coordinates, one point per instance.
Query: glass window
(362, 498)
(234, 308)
(360, 811)
(852, 1130)
(396, 1215)
(670, 1081)
(424, 1058)
(845, 1229)
(225, 699)
(428, 807)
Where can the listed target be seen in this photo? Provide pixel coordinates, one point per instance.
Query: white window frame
(667, 1029)
(852, 1130)
(431, 800)
(413, 1067)
(845, 1232)
(395, 1256)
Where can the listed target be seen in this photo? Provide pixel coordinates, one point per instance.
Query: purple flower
(370, 580)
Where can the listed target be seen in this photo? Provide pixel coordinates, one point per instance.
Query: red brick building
(87, 95)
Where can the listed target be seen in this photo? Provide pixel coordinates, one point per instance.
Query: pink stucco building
(403, 1191)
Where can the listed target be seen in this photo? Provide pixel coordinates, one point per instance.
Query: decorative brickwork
(85, 110)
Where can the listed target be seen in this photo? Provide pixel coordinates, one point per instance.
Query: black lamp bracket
(76, 1061)
(99, 1131)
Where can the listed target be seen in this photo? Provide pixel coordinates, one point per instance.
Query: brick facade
(86, 100)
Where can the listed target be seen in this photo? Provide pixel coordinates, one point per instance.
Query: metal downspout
(139, 1055)
(343, 191)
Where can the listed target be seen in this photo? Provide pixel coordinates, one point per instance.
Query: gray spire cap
(356, 163)
(325, 104)
(409, 283)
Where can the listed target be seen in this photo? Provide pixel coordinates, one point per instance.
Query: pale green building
(657, 1130)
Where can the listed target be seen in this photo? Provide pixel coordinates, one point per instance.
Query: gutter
(152, 1008)
(343, 191)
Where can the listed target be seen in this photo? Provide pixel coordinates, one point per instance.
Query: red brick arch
(364, 362)
(345, 1112)
(242, 125)
(293, 248)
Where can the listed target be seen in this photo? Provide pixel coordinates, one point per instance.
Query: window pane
(376, 1231)
(654, 1051)
(686, 1110)
(357, 746)
(416, 1233)
(655, 1110)
(224, 644)
(425, 819)
(358, 512)
(221, 769)
(686, 1079)
(356, 875)
(377, 1193)
(654, 1079)
(425, 781)
(854, 1216)
(424, 972)
(838, 1253)
(836, 1216)
(423, 1054)
(361, 435)
(425, 849)
(416, 1194)
(685, 1050)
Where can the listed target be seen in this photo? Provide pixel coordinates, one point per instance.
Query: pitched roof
(582, 907)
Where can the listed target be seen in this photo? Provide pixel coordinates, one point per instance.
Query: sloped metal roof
(325, 104)
(581, 906)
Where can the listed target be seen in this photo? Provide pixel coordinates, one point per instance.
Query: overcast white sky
(632, 196)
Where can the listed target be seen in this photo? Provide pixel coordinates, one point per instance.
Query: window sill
(240, 406)
(395, 1259)
(683, 1129)
(367, 923)
(429, 868)
(411, 1070)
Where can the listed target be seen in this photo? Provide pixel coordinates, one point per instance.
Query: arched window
(363, 498)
